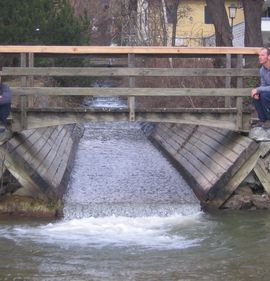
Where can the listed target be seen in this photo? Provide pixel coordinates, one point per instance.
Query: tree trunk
(166, 25)
(175, 19)
(253, 32)
(221, 22)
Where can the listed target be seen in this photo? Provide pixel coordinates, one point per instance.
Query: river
(129, 215)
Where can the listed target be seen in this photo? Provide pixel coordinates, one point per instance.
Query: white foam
(150, 232)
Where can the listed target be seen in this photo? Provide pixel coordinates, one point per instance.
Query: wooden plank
(28, 149)
(127, 50)
(23, 98)
(239, 100)
(45, 119)
(194, 172)
(99, 91)
(198, 141)
(263, 175)
(125, 71)
(120, 109)
(225, 192)
(228, 100)
(54, 160)
(184, 163)
(204, 158)
(228, 140)
(224, 155)
(131, 82)
(179, 140)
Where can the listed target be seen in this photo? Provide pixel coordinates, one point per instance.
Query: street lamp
(232, 13)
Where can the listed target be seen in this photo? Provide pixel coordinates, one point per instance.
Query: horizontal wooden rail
(209, 110)
(130, 92)
(128, 50)
(124, 71)
(232, 116)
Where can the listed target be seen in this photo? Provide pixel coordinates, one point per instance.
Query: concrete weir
(225, 169)
(35, 167)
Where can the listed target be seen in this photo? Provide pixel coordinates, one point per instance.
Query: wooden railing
(229, 116)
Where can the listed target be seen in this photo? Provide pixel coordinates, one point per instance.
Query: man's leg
(265, 101)
(4, 113)
(261, 110)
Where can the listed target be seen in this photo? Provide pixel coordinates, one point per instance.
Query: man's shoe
(257, 124)
(266, 124)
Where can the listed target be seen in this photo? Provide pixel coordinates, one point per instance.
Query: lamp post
(232, 13)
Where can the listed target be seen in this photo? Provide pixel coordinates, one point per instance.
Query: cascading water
(122, 190)
(130, 216)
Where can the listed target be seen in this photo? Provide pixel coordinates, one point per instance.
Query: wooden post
(23, 99)
(228, 100)
(31, 64)
(30, 80)
(239, 100)
(131, 100)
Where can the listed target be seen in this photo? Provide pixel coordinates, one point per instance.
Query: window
(207, 17)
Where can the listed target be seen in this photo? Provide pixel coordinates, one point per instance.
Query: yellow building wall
(191, 28)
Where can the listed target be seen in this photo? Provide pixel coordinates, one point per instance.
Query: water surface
(130, 216)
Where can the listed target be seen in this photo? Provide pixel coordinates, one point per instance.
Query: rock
(250, 179)
(261, 201)
(260, 134)
(237, 202)
(244, 190)
(29, 207)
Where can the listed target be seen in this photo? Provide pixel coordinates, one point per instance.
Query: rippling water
(130, 216)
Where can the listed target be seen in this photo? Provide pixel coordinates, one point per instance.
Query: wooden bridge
(156, 82)
(226, 64)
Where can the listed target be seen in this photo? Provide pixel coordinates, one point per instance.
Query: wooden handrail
(232, 117)
(129, 92)
(125, 71)
(128, 50)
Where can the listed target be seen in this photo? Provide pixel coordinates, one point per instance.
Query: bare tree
(165, 24)
(253, 31)
(221, 22)
(173, 8)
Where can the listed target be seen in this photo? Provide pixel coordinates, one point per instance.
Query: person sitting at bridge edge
(5, 105)
(261, 94)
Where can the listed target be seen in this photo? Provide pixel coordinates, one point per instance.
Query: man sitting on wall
(261, 94)
(5, 105)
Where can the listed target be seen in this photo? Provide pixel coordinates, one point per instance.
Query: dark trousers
(4, 113)
(262, 106)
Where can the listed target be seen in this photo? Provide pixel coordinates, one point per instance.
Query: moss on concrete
(30, 207)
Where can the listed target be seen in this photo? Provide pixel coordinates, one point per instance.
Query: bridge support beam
(222, 118)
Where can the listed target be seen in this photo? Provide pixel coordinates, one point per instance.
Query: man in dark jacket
(261, 94)
(5, 104)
